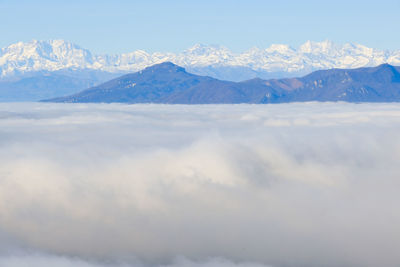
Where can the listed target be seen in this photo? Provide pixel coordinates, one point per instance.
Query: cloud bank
(212, 185)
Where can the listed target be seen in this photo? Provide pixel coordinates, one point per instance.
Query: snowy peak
(43, 55)
(280, 48)
(205, 55)
(318, 47)
(55, 50)
(55, 55)
(201, 49)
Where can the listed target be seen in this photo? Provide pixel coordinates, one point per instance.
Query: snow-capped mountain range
(55, 55)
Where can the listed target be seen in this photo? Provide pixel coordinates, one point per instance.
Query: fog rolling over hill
(171, 84)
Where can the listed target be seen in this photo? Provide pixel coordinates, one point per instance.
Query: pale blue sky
(154, 25)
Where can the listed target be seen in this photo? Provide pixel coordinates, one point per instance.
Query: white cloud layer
(214, 185)
(42, 260)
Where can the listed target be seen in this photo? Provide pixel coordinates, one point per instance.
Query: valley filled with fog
(301, 184)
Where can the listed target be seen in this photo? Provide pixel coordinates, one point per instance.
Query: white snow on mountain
(55, 55)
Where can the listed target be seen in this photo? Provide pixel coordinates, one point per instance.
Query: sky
(214, 185)
(156, 25)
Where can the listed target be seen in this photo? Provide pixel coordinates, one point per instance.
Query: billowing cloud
(210, 185)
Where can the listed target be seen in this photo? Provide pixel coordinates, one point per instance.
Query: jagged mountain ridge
(171, 84)
(216, 61)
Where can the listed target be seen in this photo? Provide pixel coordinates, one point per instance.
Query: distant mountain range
(276, 61)
(169, 83)
(46, 69)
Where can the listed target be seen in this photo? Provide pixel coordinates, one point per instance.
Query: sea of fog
(110, 185)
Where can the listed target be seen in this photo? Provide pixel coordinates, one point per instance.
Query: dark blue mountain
(162, 83)
(169, 83)
(377, 84)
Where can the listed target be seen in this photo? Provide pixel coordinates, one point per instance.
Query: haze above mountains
(47, 69)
